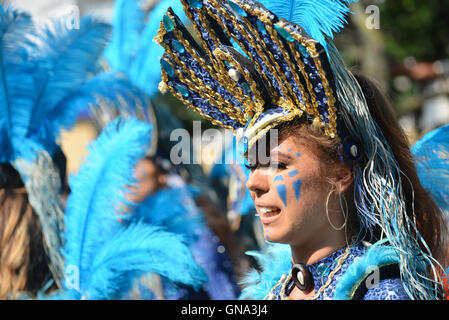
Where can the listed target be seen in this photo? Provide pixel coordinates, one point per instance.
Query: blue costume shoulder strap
(379, 258)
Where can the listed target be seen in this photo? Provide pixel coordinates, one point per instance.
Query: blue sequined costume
(388, 289)
(275, 282)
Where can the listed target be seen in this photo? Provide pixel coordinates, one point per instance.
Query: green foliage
(415, 28)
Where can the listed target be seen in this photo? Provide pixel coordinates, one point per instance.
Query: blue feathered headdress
(431, 155)
(182, 216)
(320, 19)
(130, 54)
(103, 255)
(132, 49)
(41, 70)
(111, 94)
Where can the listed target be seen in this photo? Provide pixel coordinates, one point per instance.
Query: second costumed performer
(339, 195)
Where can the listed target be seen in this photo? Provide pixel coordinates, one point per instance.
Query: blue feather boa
(274, 262)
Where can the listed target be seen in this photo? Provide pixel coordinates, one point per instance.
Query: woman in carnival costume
(83, 250)
(337, 190)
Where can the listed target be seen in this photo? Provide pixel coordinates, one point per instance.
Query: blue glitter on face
(289, 149)
(282, 191)
(293, 173)
(278, 178)
(296, 188)
(297, 155)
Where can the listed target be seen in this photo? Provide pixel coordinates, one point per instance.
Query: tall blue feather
(98, 191)
(138, 249)
(181, 217)
(39, 68)
(136, 60)
(128, 22)
(38, 76)
(319, 18)
(431, 155)
(112, 87)
(66, 59)
(16, 86)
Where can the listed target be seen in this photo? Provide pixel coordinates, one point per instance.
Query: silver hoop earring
(345, 216)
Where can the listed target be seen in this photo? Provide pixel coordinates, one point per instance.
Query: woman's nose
(258, 182)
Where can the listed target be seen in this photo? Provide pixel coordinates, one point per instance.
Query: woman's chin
(274, 237)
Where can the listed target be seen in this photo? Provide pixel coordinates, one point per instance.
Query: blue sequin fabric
(388, 289)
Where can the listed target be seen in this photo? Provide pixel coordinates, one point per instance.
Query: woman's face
(149, 178)
(290, 193)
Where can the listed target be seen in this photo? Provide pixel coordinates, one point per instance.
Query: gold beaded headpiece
(245, 69)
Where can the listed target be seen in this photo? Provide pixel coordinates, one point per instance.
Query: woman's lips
(268, 214)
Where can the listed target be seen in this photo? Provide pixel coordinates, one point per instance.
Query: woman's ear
(344, 178)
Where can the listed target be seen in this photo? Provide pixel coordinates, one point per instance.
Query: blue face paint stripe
(293, 173)
(282, 191)
(297, 187)
(278, 178)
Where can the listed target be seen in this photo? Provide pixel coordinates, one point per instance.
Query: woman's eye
(251, 166)
(273, 165)
(282, 165)
(278, 165)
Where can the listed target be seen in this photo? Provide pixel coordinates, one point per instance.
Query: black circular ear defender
(350, 150)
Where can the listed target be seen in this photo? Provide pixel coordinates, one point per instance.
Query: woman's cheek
(288, 189)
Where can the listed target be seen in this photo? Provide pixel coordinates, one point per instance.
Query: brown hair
(428, 216)
(23, 265)
(420, 207)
